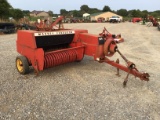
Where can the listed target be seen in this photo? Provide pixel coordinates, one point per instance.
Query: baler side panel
(77, 33)
(26, 38)
(91, 43)
(39, 59)
(34, 56)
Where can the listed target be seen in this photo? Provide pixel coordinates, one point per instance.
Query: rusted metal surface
(143, 76)
(46, 25)
(24, 24)
(117, 61)
(106, 34)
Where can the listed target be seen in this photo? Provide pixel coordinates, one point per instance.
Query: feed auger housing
(45, 49)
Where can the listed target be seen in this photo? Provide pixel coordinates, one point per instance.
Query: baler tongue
(143, 76)
(131, 70)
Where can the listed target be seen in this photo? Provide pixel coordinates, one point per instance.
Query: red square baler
(45, 49)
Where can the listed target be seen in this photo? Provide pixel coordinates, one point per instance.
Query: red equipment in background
(45, 49)
(153, 20)
(46, 25)
(136, 20)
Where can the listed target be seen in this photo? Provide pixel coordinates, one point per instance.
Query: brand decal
(54, 33)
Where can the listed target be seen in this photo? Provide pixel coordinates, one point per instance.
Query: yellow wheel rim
(19, 65)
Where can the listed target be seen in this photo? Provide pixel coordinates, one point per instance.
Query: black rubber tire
(24, 65)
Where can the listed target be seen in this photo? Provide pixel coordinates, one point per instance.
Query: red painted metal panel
(77, 33)
(91, 43)
(26, 38)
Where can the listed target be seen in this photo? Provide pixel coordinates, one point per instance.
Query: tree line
(121, 12)
(6, 11)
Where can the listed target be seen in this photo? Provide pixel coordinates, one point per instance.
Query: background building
(39, 14)
(85, 15)
(103, 16)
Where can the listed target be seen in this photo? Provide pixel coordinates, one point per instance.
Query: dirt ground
(86, 90)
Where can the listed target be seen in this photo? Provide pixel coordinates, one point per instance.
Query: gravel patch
(85, 90)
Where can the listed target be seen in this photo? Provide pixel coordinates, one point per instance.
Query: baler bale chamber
(45, 49)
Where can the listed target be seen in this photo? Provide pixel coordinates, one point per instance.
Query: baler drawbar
(45, 49)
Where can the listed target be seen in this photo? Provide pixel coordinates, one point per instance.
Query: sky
(56, 5)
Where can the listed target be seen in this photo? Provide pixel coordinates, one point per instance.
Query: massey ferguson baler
(45, 49)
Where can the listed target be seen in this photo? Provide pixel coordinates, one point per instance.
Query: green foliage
(158, 12)
(34, 18)
(144, 14)
(114, 11)
(50, 13)
(26, 12)
(127, 18)
(134, 13)
(84, 8)
(155, 14)
(63, 12)
(94, 10)
(4, 8)
(76, 13)
(55, 15)
(16, 13)
(122, 12)
(106, 9)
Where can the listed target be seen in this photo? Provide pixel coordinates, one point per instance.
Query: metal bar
(142, 76)
(125, 59)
